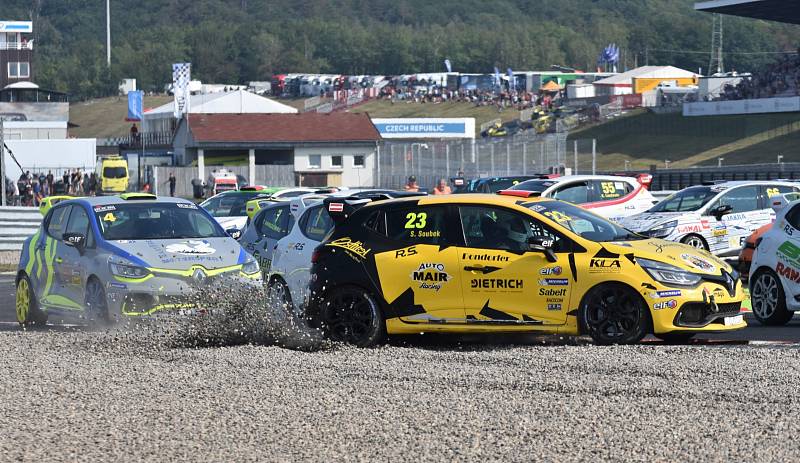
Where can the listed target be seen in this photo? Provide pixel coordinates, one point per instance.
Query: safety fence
(17, 224)
(677, 179)
(522, 154)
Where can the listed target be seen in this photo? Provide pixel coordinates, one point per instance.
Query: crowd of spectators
(501, 99)
(30, 189)
(781, 78)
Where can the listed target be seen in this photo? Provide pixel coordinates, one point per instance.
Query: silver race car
(135, 255)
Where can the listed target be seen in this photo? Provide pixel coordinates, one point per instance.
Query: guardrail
(17, 224)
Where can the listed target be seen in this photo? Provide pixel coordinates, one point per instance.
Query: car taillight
(315, 255)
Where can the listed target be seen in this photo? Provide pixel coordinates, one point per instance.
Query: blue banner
(416, 128)
(135, 106)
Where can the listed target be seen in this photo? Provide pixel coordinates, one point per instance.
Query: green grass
(105, 117)
(645, 138)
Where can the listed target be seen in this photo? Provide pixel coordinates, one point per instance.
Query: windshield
(115, 172)
(688, 200)
(533, 185)
(582, 222)
(155, 221)
(229, 205)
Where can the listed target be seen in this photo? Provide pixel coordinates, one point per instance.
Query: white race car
(229, 208)
(717, 217)
(611, 196)
(775, 271)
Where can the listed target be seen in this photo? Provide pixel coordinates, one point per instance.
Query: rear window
(316, 223)
(275, 222)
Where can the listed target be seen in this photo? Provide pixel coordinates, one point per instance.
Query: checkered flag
(181, 75)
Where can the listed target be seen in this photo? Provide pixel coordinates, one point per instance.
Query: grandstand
(786, 11)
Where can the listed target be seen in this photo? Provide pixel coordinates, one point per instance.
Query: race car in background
(716, 216)
(309, 224)
(611, 196)
(510, 263)
(746, 255)
(135, 255)
(492, 184)
(229, 208)
(775, 270)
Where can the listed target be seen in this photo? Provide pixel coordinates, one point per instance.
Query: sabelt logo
(356, 247)
(552, 292)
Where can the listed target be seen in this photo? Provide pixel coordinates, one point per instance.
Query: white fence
(757, 106)
(16, 224)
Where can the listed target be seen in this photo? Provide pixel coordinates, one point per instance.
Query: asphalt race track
(72, 394)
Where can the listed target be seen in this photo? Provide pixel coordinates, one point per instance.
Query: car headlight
(668, 274)
(127, 270)
(250, 267)
(663, 230)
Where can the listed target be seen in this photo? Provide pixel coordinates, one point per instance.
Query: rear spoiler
(341, 208)
(645, 180)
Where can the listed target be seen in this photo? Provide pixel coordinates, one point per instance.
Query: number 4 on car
(508, 263)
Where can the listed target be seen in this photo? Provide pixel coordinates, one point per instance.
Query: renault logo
(199, 277)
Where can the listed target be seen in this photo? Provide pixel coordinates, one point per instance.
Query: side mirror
(234, 233)
(75, 240)
(722, 210)
(542, 244)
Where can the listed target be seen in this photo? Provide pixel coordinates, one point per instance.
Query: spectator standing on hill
(442, 188)
(412, 184)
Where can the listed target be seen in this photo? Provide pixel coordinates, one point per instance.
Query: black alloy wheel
(352, 316)
(614, 314)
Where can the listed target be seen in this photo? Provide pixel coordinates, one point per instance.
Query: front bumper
(709, 307)
(161, 294)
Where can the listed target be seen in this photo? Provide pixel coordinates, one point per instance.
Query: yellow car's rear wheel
(28, 312)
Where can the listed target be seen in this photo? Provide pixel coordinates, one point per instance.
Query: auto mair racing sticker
(698, 262)
(191, 248)
(430, 276)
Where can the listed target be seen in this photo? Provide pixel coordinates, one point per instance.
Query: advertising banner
(415, 128)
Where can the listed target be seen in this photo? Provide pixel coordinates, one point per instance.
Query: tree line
(236, 41)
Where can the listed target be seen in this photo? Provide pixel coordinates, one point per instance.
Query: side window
(78, 221)
(494, 228)
(274, 222)
(316, 223)
(607, 190)
(575, 193)
(57, 223)
(421, 224)
(742, 199)
(793, 217)
(770, 191)
(376, 222)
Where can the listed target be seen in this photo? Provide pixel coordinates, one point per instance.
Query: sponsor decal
(430, 276)
(118, 285)
(354, 247)
(698, 262)
(186, 206)
(335, 207)
(690, 228)
(661, 245)
(550, 271)
(553, 292)
(294, 207)
(790, 253)
(553, 306)
(191, 248)
(555, 299)
(484, 257)
(109, 217)
(787, 272)
(670, 304)
(496, 283)
(720, 231)
(705, 224)
(537, 208)
(734, 217)
(670, 293)
(604, 266)
(410, 251)
(425, 234)
(296, 246)
(787, 229)
(105, 208)
(553, 282)
(125, 241)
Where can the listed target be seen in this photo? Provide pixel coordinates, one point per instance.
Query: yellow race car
(50, 201)
(509, 263)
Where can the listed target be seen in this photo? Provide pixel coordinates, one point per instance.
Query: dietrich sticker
(495, 283)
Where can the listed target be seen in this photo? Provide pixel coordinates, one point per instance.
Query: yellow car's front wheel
(28, 312)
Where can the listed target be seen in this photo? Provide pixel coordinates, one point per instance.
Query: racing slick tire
(768, 299)
(351, 315)
(695, 241)
(675, 338)
(613, 313)
(28, 311)
(96, 303)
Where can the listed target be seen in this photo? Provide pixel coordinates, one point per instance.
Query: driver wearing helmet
(507, 232)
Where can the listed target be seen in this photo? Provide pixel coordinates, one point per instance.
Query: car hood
(677, 254)
(649, 220)
(237, 222)
(181, 254)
